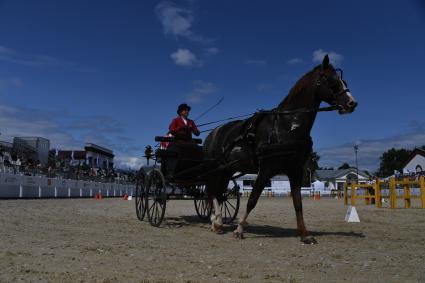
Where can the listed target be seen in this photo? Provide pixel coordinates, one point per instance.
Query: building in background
(337, 178)
(99, 157)
(70, 157)
(94, 156)
(34, 148)
(416, 162)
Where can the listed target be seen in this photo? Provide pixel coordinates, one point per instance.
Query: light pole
(356, 149)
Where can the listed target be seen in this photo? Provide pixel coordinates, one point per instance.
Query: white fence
(18, 186)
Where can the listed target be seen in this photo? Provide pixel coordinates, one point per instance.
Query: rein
(274, 111)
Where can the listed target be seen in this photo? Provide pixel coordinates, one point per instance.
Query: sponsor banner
(10, 180)
(32, 181)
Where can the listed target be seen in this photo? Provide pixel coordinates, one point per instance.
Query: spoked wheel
(230, 206)
(141, 194)
(156, 199)
(203, 206)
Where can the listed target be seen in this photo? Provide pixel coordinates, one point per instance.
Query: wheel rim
(203, 205)
(156, 199)
(230, 206)
(140, 195)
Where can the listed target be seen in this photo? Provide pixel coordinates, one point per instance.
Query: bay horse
(275, 142)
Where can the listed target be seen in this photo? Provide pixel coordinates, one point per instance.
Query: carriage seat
(179, 155)
(172, 139)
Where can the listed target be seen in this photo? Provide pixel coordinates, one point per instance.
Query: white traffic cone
(351, 215)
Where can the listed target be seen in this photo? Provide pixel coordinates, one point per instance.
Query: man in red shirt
(181, 127)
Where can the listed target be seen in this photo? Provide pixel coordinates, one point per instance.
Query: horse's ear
(325, 62)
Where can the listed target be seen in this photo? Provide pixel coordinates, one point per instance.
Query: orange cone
(125, 197)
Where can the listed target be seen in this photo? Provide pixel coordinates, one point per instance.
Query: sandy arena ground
(84, 240)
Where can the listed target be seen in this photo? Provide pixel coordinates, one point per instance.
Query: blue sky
(113, 72)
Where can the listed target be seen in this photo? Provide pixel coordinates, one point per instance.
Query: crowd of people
(63, 169)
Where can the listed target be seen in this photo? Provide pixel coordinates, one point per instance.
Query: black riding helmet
(181, 107)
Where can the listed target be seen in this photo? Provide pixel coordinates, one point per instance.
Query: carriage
(182, 175)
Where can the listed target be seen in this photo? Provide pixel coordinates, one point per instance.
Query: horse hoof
(309, 240)
(238, 235)
(218, 229)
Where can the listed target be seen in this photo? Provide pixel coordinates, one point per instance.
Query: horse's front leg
(216, 218)
(257, 189)
(296, 199)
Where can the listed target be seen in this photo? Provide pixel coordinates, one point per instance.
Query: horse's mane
(298, 87)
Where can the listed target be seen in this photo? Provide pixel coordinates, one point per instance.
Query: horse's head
(332, 89)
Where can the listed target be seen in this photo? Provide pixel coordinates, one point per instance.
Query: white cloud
(200, 89)
(177, 21)
(211, 51)
(370, 150)
(125, 162)
(184, 57)
(295, 61)
(256, 62)
(335, 58)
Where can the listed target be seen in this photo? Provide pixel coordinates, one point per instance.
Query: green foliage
(393, 159)
(345, 165)
(148, 153)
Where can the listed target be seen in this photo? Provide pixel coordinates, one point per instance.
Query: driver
(181, 127)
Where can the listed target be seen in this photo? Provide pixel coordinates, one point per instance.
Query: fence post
(393, 196)
(367, 195)
(406, 193)
(345, 194)
(378, 197)
(21, 191)
(422, 185)
(353, 194)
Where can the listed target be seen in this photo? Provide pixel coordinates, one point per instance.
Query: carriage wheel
(230, 206)
(141, 194)
(203, 206)
(156, 199)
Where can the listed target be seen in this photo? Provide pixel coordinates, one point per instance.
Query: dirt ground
(87, 240)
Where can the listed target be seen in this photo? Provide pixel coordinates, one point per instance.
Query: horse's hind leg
(257, 189)
(297, 200)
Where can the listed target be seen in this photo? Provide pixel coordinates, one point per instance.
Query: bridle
(331, 81)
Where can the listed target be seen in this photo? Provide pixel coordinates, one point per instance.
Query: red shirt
(182, 130)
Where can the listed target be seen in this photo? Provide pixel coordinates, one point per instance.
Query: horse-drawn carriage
(182, 175)
(269, 142)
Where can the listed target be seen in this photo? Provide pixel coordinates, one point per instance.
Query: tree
(148, 153)
(391, 160)
(345, 165)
